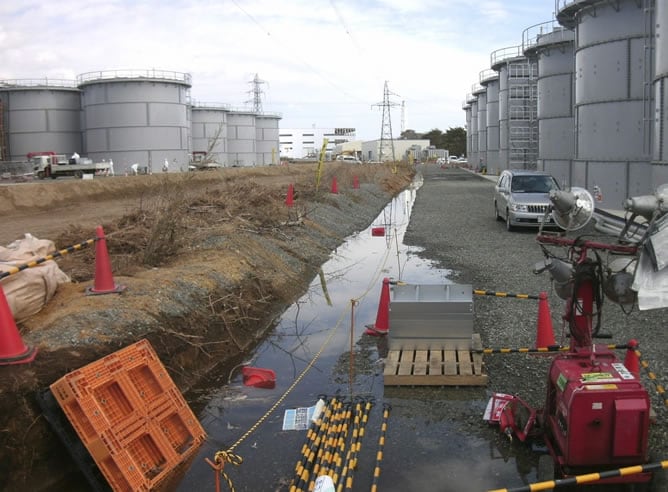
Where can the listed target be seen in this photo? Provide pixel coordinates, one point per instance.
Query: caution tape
(50, 256)
(504, 294)
(588, 478)
(381, 447)
(527, 350)
(652, 377)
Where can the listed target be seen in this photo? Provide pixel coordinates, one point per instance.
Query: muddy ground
(209, 260)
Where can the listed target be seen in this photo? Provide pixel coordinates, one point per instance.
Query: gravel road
(453, 221)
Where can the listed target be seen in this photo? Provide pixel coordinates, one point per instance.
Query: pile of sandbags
(28, 291)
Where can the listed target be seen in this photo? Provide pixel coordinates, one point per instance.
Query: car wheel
(496, 212)
(509, 226)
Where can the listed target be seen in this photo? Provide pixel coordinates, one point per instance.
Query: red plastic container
(258, 377)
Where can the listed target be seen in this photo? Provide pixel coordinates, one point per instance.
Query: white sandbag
(28, 291)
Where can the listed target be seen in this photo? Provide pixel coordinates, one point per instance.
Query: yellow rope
(222, 457)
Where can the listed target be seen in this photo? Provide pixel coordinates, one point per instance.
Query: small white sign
(623, 372)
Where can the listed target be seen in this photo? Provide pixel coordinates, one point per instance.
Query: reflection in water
(318, 347)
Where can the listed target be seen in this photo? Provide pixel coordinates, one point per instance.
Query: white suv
(522, 196)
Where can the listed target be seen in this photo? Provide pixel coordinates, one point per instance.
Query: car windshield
(533, 184)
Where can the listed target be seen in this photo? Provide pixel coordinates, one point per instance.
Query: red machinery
(597, 411)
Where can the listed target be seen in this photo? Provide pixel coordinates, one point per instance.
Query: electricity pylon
(256, 92)
(386, 149)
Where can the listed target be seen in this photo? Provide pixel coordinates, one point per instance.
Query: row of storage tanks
(131, 116)
(583, 98)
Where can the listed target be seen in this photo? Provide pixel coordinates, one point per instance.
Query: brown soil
(209, 260)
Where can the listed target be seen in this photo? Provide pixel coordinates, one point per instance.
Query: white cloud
(324, 62)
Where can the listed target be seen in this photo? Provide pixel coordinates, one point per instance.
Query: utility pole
(403, 117)
(256, 93)
(386, 150)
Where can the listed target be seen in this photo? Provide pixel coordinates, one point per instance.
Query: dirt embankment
(209, 260)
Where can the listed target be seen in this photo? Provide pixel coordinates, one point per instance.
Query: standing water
(435, 435)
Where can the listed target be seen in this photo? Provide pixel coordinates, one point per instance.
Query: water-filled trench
(435, 437)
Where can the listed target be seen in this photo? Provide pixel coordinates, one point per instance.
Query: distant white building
(371, 149)
(298, 143)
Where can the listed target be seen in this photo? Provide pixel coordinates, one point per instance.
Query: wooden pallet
(436, 367)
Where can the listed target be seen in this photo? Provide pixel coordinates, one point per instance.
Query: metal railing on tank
(134, 74)
(45, 82)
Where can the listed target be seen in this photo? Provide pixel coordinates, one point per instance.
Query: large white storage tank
(474, 155)
(660, 141)
(552, 45)
(136, 116)
(266, 129)
(40, 115)
(613, 103)
(470, 99)
(241, 135)
(518, 126)
(209, 131)
(490, 80)
(466, 107)
(480, 92)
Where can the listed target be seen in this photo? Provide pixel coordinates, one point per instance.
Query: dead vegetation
(211, 259)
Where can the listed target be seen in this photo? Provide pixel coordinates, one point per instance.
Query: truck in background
(51, 165)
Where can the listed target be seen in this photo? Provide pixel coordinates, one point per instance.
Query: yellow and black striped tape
(504, 294)
(51, 256)
(588, 478)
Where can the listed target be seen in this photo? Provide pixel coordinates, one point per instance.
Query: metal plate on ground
(431, 317)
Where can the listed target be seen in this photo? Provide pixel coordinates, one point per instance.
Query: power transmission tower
(256, 92)
(403, 117)
(386, 150)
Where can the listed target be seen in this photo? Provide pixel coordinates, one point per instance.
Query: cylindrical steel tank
(552, 46)
(660, 141)
(474, 155)
(518, 126)
(266, 128)
(209, 132)
(241, 136)
(137, 116)
(613, 103)
(490, 80)
(469, 115)
(40, 115)
(480, 92)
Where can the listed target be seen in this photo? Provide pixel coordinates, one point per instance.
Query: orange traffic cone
(104, 281)
(12, 348)
(631, 360)
(335, 187)
(356, 183)
(289, 200)
(545, 334)
(381, 326)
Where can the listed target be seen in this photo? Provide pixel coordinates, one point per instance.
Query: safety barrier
(504, 294)
(51, 256)
(381, 446)
(588, 478)
(652, 377)
(331, 446)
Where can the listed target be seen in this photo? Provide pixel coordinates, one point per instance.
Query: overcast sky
(324, 63)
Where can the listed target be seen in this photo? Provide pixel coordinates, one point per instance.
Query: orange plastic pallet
(131, 417)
